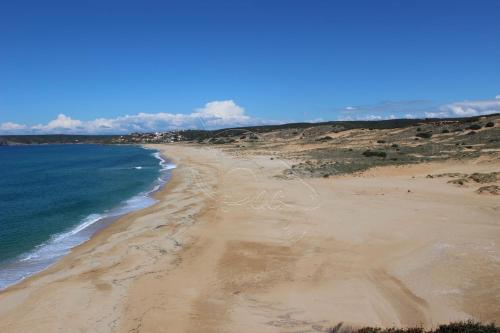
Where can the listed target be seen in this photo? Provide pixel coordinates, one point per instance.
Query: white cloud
(8, 126)
(472, 108)
(227, 113)
(436, 114)
(420, 109)
(366, 117)
(62, 122)
(222, 113)
(371, 117)
(385, 110)
(214, 114)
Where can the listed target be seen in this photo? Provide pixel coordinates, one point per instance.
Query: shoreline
(92, 224)
(231, 248)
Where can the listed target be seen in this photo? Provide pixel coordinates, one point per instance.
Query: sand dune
(232, 248)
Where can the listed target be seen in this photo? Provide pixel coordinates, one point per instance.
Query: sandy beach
(233, 247)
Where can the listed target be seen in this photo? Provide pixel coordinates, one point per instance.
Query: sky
(121, 66)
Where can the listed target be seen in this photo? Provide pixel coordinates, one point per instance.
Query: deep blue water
(54, 197)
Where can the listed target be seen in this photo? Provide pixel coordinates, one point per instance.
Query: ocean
(54, 197)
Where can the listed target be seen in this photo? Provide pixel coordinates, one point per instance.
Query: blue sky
(114, 66)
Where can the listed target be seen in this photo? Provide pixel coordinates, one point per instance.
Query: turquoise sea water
(54, 197)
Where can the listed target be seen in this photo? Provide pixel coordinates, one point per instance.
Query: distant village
(156, 137)
(133, 138)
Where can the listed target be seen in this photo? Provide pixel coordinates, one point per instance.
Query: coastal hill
(326, 148)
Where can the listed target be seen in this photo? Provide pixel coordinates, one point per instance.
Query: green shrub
(370, 153)
(467, 327)
(474, 127)
(424, 135)
(458, 327)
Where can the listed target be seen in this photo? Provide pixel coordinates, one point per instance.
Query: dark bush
(380, 141)
(370, 153)
(471, 133)
(474, 127)
(489, 124)
(445, 131)
(471, 119)
(459, 327)
(394, 145)
(467, 327)
(424, 135)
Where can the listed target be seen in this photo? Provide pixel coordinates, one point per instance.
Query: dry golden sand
(231, 248)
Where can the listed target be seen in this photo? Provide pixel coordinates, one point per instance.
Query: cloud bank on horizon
(214, 114)
(219, 114)
(420, 109)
